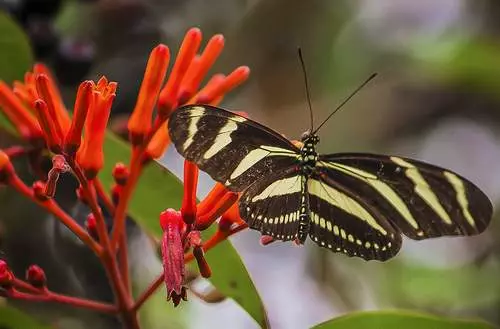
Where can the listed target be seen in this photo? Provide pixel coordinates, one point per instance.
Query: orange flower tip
(35, 276)
(193, 33)
(266, 239)
(199, 255)
(38, 188)
(170, 217)
(102, 83)
(120, 173)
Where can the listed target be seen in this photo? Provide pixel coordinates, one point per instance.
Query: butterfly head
(308, 138)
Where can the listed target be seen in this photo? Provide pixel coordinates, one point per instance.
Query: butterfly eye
(305, 135)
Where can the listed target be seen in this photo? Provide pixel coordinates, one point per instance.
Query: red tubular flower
(188, 208)
(18, 114)
(83, 103)
(48, 124)
(199, 68)
(215, 91)
(167, 100)
(52, 96)
(35, 276)
(215, 194)
(215, 210)
(56, 111)
(139, 123)
(173, 254)
(90, 156)
(159, 143)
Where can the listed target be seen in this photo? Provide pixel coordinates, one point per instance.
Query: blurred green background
(437, 99)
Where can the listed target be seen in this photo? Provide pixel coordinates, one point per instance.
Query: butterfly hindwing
(420, 200)
(272, 204)
(342, 221)
(232, 149)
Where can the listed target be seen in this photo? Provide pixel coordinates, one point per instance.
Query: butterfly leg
(304, 217)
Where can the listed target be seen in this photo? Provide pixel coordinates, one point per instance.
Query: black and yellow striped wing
(233, 150)
(393, 196)
(272, 204)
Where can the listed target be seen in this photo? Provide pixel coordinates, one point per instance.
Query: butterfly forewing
(419, 199)
(232, 149)
(272, 204)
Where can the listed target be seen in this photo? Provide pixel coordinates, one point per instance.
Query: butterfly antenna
(307, 87)
(370, 78)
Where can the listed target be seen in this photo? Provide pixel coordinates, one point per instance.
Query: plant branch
(52, 207)
(108, 258)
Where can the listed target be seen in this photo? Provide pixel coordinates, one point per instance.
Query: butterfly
(358, 204)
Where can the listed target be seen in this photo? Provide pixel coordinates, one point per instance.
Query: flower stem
(107, 257)
(125, 195)
(136, 166)
(52, 207)
(49, 296)
(101, 192)
(148, 292)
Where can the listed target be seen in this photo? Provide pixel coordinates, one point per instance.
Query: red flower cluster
(35, 108)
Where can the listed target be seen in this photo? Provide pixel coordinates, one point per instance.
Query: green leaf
(15, 55)
(230, 277)
(12, 318)
(397, 320)
(159, 189)
(462, 287)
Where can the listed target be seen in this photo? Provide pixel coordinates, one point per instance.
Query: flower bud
(35, 275)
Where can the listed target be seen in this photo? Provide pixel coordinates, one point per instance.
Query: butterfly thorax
(308, 155)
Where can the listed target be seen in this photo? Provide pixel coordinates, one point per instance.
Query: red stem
(123, 262)
(52, 207)
(101, 192)
(136, 165)
(125, 195)
(148, 292)
(108, 259)
(48, 296)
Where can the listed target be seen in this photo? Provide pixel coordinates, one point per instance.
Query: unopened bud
(35, 275)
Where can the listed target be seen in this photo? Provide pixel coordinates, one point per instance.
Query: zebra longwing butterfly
(355, 203)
